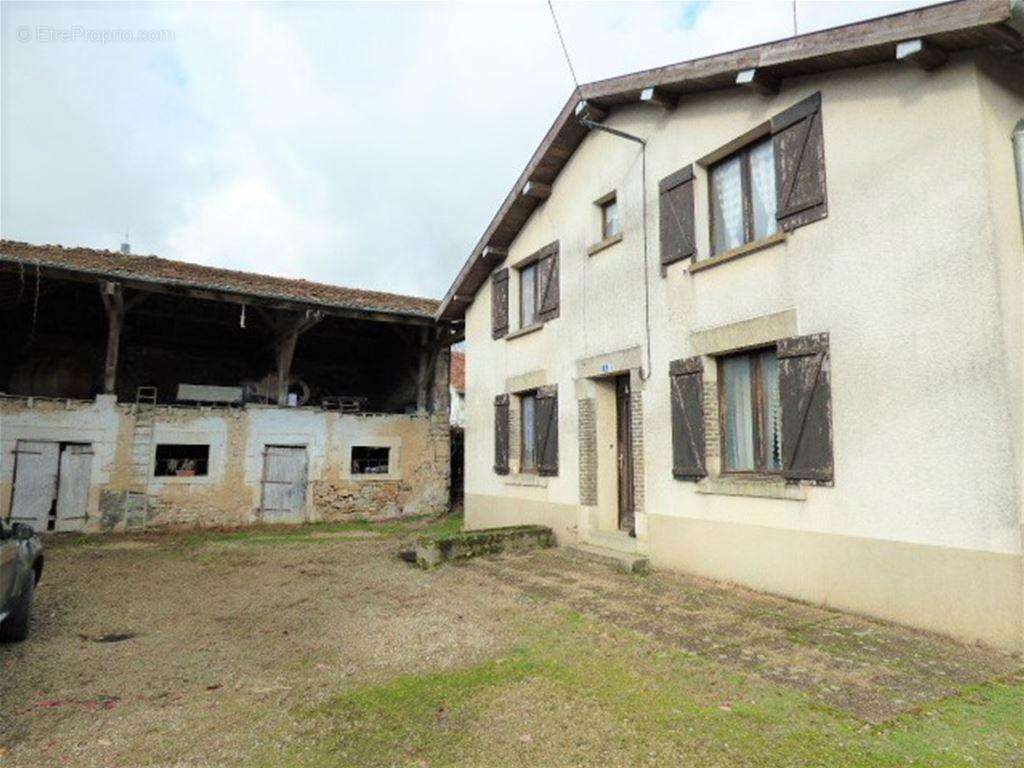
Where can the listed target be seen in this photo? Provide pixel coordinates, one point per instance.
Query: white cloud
(361, 144)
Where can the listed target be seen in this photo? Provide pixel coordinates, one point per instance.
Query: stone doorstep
(619, 541)
(626, 562)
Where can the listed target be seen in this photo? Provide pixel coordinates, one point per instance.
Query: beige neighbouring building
(808, 356)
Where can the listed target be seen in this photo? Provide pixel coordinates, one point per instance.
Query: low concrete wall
(501, 511)
(969, 594)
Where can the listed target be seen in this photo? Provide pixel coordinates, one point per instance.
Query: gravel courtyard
(317, 646)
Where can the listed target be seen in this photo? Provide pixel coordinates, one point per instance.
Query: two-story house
(758, 317)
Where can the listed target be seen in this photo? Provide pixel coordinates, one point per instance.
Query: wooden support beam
(113, 303)
(587, 110)
(288, 330)
(659, 97)
(493, 254)
(760, 80)
(920, 53)
(538, 190)
(422, 371)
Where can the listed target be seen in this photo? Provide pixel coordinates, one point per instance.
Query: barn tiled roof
(113, 265)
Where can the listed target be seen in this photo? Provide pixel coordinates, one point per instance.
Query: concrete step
(620, 541)
(627, 562)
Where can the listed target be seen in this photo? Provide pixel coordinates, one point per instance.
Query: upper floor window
(751, 412)
(743, 201)
(609, 217)
(528, 299)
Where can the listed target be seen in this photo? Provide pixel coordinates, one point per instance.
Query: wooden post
(421, 372)
(113, 302)
(287, 332)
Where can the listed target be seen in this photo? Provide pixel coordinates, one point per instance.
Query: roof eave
(819, 51)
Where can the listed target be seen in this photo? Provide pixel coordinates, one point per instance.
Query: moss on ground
(577, 693)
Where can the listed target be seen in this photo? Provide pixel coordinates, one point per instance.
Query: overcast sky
(353, 143)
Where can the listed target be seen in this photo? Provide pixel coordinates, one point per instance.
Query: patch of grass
(578, 693)
(306, 533)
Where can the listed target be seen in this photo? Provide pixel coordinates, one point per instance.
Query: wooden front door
(624, 452)
(36, 464)
(285, 472)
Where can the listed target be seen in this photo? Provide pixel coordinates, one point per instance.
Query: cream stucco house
(758, 317)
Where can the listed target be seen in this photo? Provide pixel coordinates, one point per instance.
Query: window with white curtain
(743, 197)
(528, 295)
(751, 424)
(528, 415)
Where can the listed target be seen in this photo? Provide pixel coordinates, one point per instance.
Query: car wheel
(15, 628)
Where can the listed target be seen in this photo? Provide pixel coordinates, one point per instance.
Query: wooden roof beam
(538, 190)
(921, 53)
(588, 110)
(759, 79)
(659, 97)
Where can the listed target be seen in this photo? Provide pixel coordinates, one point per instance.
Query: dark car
(21, 567)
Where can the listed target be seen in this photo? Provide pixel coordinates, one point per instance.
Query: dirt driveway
(317, 646)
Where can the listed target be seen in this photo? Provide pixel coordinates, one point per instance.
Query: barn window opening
(369, 460)
(179, 460)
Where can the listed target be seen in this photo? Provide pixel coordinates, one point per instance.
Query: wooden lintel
(921, 53)
(759, 79)
(538, 190)
(659, 97)
(588, 110)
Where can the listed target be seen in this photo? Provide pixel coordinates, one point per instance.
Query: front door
(285, 471)
(624, 445)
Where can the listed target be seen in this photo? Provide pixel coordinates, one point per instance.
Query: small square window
(743, 197)
(174, 460)
(369, 460)
(609, 218)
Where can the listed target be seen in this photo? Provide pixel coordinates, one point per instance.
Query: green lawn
(576, 692)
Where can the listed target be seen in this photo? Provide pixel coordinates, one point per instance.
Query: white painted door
(285, 470)
(73, 487)
(35, 482)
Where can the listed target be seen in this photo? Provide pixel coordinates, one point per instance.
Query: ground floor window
(751, 414)
(370, 460)
(175, 460)
(528, 454)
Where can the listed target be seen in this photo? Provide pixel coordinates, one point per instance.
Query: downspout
(1018, 158)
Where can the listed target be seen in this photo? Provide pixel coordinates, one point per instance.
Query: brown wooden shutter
(799, 164)
(676, 216)
(547, 276)
(546, 430)
(805, 393)
(688, 448)
(499, 303)
(501, 434)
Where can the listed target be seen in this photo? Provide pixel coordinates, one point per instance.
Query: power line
(565, 50)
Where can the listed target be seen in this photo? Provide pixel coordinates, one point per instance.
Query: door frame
(625, 467)
(303, 516)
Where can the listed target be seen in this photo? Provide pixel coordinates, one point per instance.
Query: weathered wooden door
(624, 449)
(73, 487)
(285, 472)
(36, 465)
